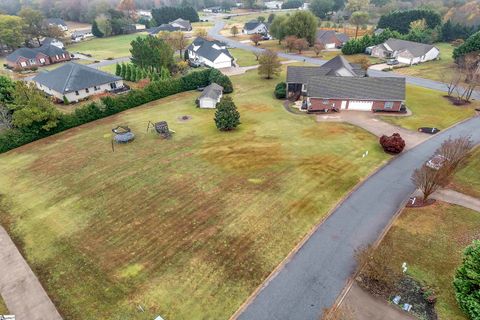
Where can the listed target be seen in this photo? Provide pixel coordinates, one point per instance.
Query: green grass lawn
(187, 227)
(103, 48)
(110, 68)
(467, 179)
(431, 240)
(244, 58)
(438, 70)
(430, 109)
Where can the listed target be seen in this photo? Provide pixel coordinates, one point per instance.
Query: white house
(80, 35)
(76, 82)
(407, 52)
(254, 26)
(210, 53)
(273, 4)
(210, 96)
(54, 42)
(57, 22)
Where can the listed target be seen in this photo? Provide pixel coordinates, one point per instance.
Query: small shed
(210, 96)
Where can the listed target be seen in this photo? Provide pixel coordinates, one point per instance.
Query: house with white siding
(76, 82)
(255, 26)
(210, 53)
(407, 52)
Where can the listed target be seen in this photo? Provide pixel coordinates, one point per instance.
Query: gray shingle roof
(163, 27)
(56, 21)
(329, 36)
(337, 66)
(417, 49)
(252, 24)
(366, 88)
(184, 23)
(31, 53)
(297, 74)
(72, 77)
(207, 50)
(213, 91)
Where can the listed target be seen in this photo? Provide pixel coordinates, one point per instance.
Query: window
(76, 93)
(113, 85)
(96, 88)
(388, 104)
(86, 90)
(56, 56)
(304, 87)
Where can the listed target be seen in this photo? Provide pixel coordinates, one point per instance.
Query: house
(80, 35)
(210, 96)
(57, 22)
(210, 53)
(144, 14)
(255, 26)
(331, 39)
(183, 25)
(355, 93)
(76, 82)
(378, 31)
(273, 5)
(407, 52)
(340, 85)
(162, 28)
(24, 58)
(53, 42)
(216, 9)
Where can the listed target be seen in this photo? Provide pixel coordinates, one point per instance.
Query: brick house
(24, 58)
(331, 39)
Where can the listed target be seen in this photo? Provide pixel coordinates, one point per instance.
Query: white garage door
(223, 64)
(360, 105)
(330, 46)
(404, 60)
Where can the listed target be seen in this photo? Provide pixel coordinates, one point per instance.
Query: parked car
(436, 162)
(266, 37)
(428, 130)
(194, 63)
(392, 62)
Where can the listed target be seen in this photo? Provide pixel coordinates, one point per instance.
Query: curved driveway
(315, 275)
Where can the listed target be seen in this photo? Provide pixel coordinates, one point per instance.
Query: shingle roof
(329, 36)
(72, 77)
(206, 48)
(30, 53)
(50, 50)
(56, 21)
(417, 49)
(184, 23)
(296, 74)
(213, 91)
(337, 66)
(366, 88)
(252, 24)
(163, 27)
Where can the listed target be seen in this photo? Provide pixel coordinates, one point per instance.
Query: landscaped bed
(185, 228)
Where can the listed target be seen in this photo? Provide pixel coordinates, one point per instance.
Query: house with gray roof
(57, 22)
(181, 24)
(54, 42)
(211, 53)
(407, 52)
(24, 58)
(255, 26)
(331, 39)
(76, 82)
(210, 96)
(162, 28)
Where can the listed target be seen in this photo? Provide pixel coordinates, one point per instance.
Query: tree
(278, 28)
(290, 42)
(300, 45)
(11, 31)
(455, 150)
(357, 19)
(123, 70)
(118, 70)
(428, 180)
(357, 5)
(472, 44)
(292, 4)
(96, 31)
(202, 33)
(321, 8)
(317, 48)
(400, 20)
(177, 41)
(128, 72)
(164, 74)
(151, 53)
(280, 90)
(234, 31)
(392, 144)
(249, 4)
(7, 87)
(227, 116)
(166, 14)
(256, 38)
(261, 19)
(31, 109)
(34, 25)
(104, 25)
(271, 16)
(182, 66)
(467, 279)
(269, 65)
(302, 24)
(221, 79)
(128, 6)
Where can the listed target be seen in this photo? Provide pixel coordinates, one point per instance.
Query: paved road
(426, 83)
(22, 292)
(317, 273)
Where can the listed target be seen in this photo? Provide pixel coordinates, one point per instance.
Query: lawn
(467, 179)
(430, 109)
(103, 48)
(438, 70)
(186, 228)
(111, 68)
(244, 58)
(431, 240)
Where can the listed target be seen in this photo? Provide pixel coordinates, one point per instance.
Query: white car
(436, 162)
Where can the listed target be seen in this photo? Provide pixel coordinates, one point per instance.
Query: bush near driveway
(467, 280)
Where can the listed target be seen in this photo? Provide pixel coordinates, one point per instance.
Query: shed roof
(213, 91)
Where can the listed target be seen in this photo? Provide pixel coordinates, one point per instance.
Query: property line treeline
(108, 106)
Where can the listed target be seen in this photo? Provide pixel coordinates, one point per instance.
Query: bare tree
(451, 82)
(290, 42)
(469, 73)
(256, 38)
(317, 48)
(257, 54)
(428, 180)
(455, 150)
(301, 44)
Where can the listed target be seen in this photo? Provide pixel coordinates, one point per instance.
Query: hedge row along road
(314, 276)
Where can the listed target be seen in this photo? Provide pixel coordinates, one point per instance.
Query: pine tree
(124, 70)
(138, 75)
(118, 70)
(96, 31)
(128, 73)
(226, 116)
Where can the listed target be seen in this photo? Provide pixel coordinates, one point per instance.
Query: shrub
(280, 90)
(65, 100)
(393, 144)
(222, 80)
(226, 116)
(466, 281)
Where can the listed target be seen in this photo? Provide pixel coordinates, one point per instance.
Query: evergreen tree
(118, 70)
(96, 31)
(128, 73)
(227, 116)
(467, 279)
(138, 75)
(124, 70)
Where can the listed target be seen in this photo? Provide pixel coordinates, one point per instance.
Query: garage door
(404, 60)
(225, 64)
(360, 105)
(330, 46)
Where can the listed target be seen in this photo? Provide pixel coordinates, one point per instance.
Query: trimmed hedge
(108, 106)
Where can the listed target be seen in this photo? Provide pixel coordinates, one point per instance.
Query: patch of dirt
(184, 118)
(457, 102)
(413, 293)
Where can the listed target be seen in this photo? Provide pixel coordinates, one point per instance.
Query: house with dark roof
(331, 39)
(53, 42)
(255, 26)
(79, 35)
(210, 96)
(211, 53)
(407, 52)
(76, 82)
(182, 24)
(340, 85)
(57, 22)
(24, 58)
(162, 28)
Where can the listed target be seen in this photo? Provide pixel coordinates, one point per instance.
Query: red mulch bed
(417, 202)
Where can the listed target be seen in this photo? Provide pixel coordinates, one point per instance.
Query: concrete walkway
(19, 287)
(454, 197)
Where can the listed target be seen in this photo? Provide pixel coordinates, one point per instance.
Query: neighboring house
(340, 85)
(76, 82)
(183, 25)
(407, 52)
(378, 31)
(213, 9)
(254, 26)
(305, 6)
(273, 4)
(24, 58)
(80, 35)
(58, 23)
(210, 96)
(331, 39)
(145, 14)
(210, 53)
(54, 42)
(162, 28)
